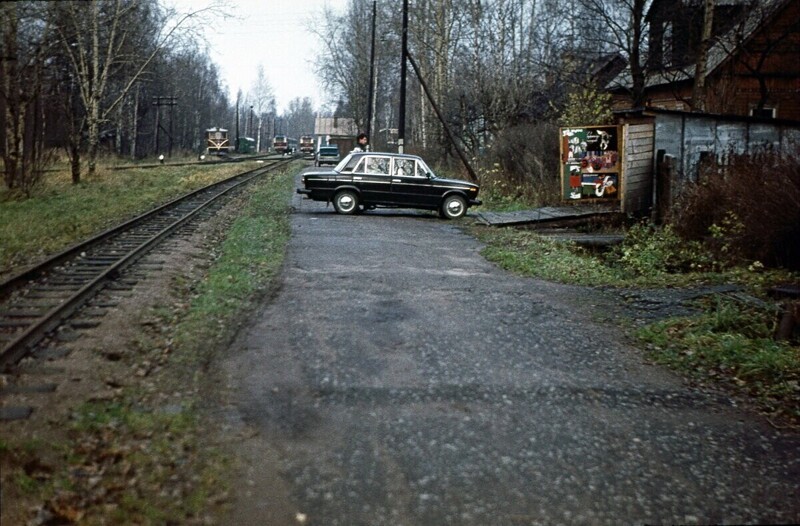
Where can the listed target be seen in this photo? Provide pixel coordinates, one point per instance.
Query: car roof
(391, 154)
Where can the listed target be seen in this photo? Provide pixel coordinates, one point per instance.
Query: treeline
(504, 73)
(101, 76)
(128, 78)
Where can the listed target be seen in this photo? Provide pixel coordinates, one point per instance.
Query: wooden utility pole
(401, 128)
(371, 76)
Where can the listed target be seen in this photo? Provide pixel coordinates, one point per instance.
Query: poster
(590, 162)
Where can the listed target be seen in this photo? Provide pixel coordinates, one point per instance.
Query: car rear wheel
(453, 207)
(346, 202)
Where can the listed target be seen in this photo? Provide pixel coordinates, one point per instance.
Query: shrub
(647, 250)
(524, 165)
(747, 209)
(587, 106)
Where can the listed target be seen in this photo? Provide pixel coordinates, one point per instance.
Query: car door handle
(357, 178)
(397, 180)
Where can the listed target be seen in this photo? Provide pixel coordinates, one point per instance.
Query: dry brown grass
(746, 210)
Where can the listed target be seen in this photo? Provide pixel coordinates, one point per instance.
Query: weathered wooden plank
(639, 156)
(640, 135)
(544, 214)
(641, 170)
(640, 144)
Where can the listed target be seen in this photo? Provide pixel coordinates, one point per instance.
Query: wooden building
(340, 131)
(753, 63)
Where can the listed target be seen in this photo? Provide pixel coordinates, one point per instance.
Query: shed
(609, 164)
(666, 147)
(340, 131)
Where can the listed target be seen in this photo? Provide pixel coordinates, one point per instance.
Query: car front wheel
(346, 202)
(453, 207)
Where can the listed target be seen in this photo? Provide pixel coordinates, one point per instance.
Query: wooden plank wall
(637, 183)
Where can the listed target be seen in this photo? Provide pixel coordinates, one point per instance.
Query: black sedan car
(366, 180)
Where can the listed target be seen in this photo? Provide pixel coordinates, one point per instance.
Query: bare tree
(260, 95)
(699, 87)
(95, 37)
(25, 41)
(299, 117)
(625, 31)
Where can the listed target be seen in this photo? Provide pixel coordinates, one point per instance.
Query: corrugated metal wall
(690, 137)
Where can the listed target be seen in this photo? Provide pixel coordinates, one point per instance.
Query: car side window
(378, 165)
(350, 166)
(405, 167)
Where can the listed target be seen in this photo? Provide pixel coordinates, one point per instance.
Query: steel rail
(23, 343)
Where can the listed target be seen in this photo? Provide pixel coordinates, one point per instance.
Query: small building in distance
(341, 131)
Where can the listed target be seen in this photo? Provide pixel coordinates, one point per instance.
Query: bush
(648, 250)
(523, 165)
(746, 210)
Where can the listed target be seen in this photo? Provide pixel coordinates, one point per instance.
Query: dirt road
(398, 378)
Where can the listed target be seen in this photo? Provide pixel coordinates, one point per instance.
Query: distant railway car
(217, 142)
(280, 143)
(283, 144)
(307, 145)
(246, 145)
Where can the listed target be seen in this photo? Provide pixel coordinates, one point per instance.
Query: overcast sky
(271, 32)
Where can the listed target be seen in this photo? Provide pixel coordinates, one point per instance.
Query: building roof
(335, 126)
(721, 50)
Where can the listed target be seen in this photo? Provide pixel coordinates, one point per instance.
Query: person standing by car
(362, 143)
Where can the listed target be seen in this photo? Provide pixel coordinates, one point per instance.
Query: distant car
(327, 155)
(366, 180)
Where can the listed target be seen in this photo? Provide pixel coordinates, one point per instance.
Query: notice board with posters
(591, 162)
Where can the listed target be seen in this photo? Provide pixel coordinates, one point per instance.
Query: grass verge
(730, 345)
(145, 456)
(62, 213)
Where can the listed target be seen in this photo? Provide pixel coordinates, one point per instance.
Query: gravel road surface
(398, 378)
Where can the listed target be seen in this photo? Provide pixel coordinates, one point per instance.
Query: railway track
(37, 301)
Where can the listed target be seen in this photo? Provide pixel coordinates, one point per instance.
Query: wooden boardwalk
(547, 214)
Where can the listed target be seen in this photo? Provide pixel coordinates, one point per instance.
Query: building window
(765, 113)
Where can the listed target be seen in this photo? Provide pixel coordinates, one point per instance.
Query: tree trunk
(11, 143)
(637, 70)
(93, 138)
(75, 160)
(699, 87)
(135, 123)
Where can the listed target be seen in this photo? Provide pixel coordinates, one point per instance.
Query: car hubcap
(454, 207)
(346, 202)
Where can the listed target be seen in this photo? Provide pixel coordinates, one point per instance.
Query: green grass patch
(731, 344)
(529, 254)
(249, 259)
(60, 213)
